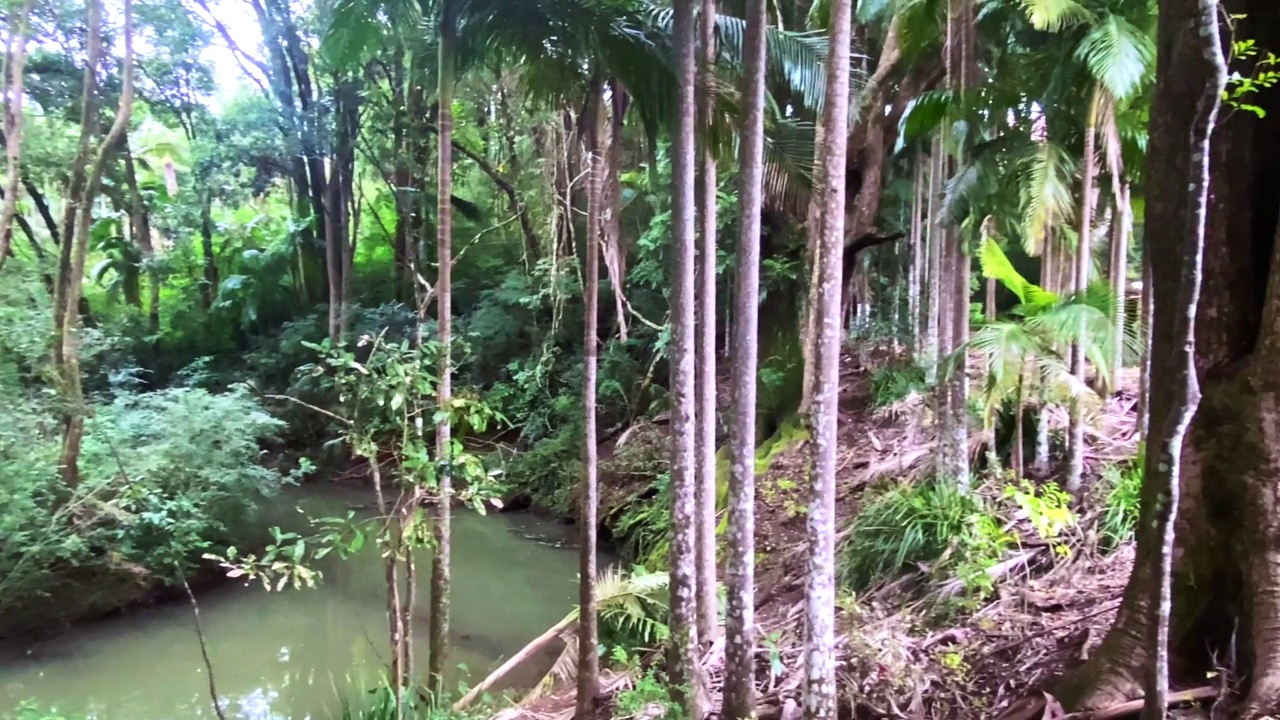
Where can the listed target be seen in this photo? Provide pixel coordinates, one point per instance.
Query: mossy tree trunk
(1230, 482)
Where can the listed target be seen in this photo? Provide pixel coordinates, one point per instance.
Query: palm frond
(1045, 182)
(1118, 55)
(1055, 15)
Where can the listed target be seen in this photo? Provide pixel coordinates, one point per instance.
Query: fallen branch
(1128, 708)
(535, 646)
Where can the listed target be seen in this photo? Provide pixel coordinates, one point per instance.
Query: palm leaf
(1054, 15)
(1045, 185)
(1118, 55)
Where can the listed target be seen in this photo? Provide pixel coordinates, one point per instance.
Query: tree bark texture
(1229, 486)
(740, 630)
(1122, 227)
(820, 662)
(705, 414)
(441, 565)
(683, 623)
(588, 635)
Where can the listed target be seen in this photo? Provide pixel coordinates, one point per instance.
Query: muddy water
(290, 654)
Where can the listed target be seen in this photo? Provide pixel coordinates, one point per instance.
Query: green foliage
(649, 691)
(1264, 75)
(1122, 504)
(892, 383)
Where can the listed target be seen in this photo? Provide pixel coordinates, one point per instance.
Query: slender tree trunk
(16, 61)
(705, 414)
(917, 270)
(1122, 221)
(1076, 445)
(820, 668)
(140, 222)
(333, 241)
(932, 342)
(683, 670)
(1162, 468)
(440, 568)
(813, 231)
(588, 636)
(615, 250)
(1019, 434)
(73, 432)
(740, 630)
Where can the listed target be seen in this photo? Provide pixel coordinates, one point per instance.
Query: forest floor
(911, 647)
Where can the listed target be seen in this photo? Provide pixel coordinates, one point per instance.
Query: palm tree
(685, 688)
(705, 415)
(739, 680)
(820, 672)
(588, 635)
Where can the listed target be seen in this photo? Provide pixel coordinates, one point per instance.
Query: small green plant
(1121, 505)
(914, 526)
(1047, 508)
(892, 383)
(648, 696)
(1265, 73)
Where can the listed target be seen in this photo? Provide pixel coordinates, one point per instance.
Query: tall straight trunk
(1163, 467)
(813, 231)
(820, 669)
(588, 635)
(1052, 257)
(1019, 434)
(440, 567)
(73, 429)
(615, 251)
(1122, 221)
(1076, 445)
(705, 413)
(15, 59)
(140, 223)
(916, 270)
(933, 238)
(683, 669)
(740, 629)
(333, 241)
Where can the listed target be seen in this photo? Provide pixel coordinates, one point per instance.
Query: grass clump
(1123, 488)
(930, 526)
(894, 382)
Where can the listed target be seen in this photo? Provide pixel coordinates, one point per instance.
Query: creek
(294, 654)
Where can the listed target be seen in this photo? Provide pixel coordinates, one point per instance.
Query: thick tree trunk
(683, 668)
(588, 635)
(740, 630)
(820, 667)
(705, 414)
(1231, 460)
(441, 566)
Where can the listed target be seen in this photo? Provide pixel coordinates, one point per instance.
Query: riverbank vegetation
(864, 332)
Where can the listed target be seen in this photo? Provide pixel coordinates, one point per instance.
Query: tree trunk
(1075, 444)
(15, 60)
(588, 636)
(705, 413)
(440, 567)
(740, 630)
(140, 223)
(917, 270)
(1144, 367)
(683, 671)
(813, 230)
(73, 426)
(820, 669)
(933, 277)
(1122, 221)
(1185, 242)
(1227, 549)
